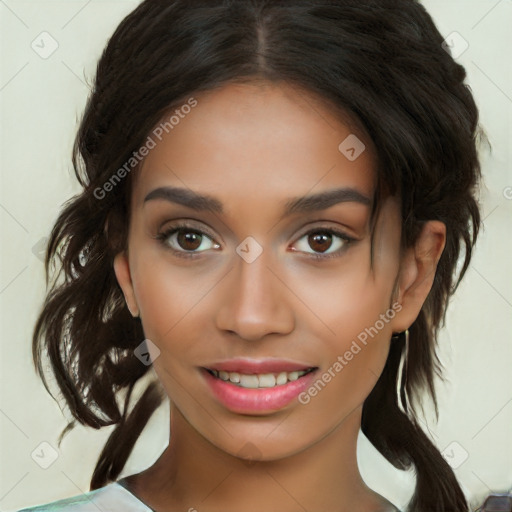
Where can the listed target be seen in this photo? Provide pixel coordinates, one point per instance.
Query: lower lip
(243, 400)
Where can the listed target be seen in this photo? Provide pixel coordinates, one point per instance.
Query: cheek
(353, 319)
(170, 296)
(349, 296)
(354, 351)
(357, 305)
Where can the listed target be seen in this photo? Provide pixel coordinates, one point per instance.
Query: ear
(417, 272)
(124, 278)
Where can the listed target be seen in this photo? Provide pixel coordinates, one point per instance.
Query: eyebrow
(304, 204)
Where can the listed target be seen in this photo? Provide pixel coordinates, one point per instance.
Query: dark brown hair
(380, 61)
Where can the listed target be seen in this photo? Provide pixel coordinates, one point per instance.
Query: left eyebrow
(324, 200)
(295, 205)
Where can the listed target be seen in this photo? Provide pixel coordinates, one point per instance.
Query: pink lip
(246, 401)
(252, 366)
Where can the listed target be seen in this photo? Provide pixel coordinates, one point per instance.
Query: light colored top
(111, 498)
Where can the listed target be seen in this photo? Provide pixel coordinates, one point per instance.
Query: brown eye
(189, 240)
(320, 241)
(186, 241)
(325, 243)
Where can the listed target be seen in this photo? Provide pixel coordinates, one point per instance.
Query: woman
(275, 198)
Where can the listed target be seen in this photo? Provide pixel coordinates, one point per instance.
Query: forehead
(260, 140)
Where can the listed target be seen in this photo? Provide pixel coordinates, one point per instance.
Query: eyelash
(164, 236)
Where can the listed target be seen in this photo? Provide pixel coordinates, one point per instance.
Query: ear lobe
(123, 275)
(417, 273)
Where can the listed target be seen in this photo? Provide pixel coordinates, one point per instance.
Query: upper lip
(251, 366)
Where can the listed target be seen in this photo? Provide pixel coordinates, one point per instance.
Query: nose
(255, 301)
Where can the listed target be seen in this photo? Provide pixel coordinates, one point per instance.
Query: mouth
(253, 387)
(259, 380)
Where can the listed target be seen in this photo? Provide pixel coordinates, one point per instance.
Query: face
(258, 275)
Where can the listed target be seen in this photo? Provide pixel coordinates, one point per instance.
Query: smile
(257, 393)
(262, 380)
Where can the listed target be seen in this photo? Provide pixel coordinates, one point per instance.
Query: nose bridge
(254, 287)
(256, 302)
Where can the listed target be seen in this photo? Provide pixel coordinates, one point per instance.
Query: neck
(324, 476)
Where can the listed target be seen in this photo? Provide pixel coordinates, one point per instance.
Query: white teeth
(267, 380)
(293, 375)
(264, 380)
(282, 378)
(234, 377)
(249, 381)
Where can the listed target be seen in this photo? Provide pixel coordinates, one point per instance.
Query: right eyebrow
(186, 198)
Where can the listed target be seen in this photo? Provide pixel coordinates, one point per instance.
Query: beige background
(40, 102)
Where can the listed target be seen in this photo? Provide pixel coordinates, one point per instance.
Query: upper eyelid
(190, 224)
(336, 230)
(181, 225)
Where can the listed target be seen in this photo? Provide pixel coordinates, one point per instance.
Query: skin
(253, 147)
